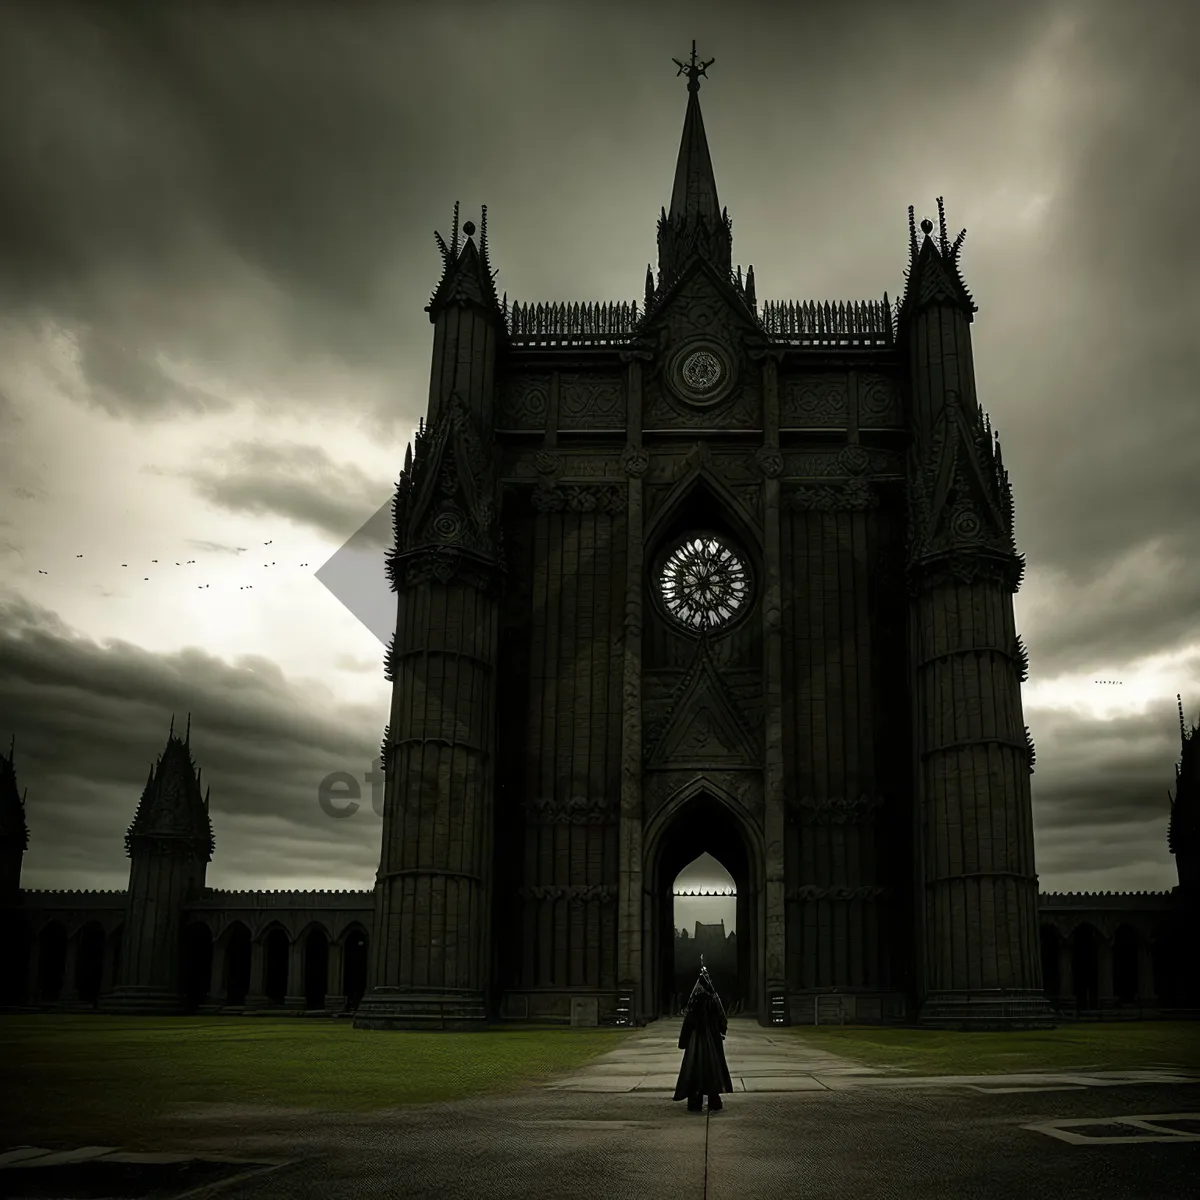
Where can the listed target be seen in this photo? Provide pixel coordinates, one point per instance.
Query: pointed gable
(443, 496)
(703, 725)
(467, 277)
(933, 275)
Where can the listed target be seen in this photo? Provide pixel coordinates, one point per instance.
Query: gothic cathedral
(705, 575)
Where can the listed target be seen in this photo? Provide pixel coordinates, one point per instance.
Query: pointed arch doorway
(697, 820)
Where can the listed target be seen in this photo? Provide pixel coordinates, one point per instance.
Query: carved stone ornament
(770, 461)
(547, 462)
(855, 496)
(445, 565)
(701, 372)
(836, 810)
(854, 460)
(578, 894)
(635, 461)
(601, 498)
(578, 810)
(811, 891)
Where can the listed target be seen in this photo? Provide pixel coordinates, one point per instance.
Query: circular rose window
(702, 370)
(703, 583)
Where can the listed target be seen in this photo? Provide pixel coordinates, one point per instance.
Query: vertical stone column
(256, 994)
(295, 992)
(634, 977)
(770, 462)
(335, 982)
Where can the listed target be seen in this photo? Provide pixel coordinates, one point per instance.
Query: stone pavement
(110, 1171)
(762, 1059)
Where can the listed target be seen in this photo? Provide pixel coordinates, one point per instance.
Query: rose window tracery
(702, 370)
(703, 583)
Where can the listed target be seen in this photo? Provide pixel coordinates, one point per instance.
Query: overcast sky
(215, 249)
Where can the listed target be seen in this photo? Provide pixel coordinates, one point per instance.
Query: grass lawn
(1102, 1045)
(99, 1077)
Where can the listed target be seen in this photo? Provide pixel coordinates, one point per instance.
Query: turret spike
(171, 731)
(751, 299)
(1182, 722)
(649, 286)
(912, 235)
(454, 234)
(408, 459)
(187, 739)
(943, 241)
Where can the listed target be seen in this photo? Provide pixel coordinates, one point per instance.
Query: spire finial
(693, 69)
(187, 737)
(171, 732)
(1182, 721)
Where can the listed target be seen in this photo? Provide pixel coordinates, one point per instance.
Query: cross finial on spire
(693, 70)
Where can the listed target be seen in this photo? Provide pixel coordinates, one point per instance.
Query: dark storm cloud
(301, 483)
(123, 381)
(89, 719)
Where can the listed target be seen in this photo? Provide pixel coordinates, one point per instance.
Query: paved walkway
(762, 1059)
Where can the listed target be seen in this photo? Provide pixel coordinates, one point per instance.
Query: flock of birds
(246, 587)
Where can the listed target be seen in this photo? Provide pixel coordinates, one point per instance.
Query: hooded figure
(704, 1071)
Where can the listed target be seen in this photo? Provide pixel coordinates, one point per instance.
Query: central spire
(695, 224)
(695, 191)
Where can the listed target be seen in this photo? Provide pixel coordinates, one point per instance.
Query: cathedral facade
(699, 574)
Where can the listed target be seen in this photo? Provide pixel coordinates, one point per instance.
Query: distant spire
(188, 736)
(171, 731)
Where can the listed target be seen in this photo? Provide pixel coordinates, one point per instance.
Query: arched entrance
(696, 821)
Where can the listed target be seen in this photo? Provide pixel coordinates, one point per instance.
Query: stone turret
(14, 833)
(977, 885)
(169, 844)
(432, 923)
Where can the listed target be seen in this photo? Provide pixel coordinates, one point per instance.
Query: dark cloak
(704, 1071)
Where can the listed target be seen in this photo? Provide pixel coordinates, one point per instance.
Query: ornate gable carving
(702, 726)
(954, 506)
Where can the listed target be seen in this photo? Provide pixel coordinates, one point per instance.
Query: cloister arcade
(292, 961)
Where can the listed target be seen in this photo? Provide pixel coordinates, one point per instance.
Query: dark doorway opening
(52, 962)
(702, 825)
(276, 951)
(1085, 967)
(1125, 964)
(89, 963)
(1050, 941)
(316, 967)
(237, 964)
(197, 964)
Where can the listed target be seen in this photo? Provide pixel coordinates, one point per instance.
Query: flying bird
(268, 543)
(79, 556)
(41, 572)
(154, 560)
